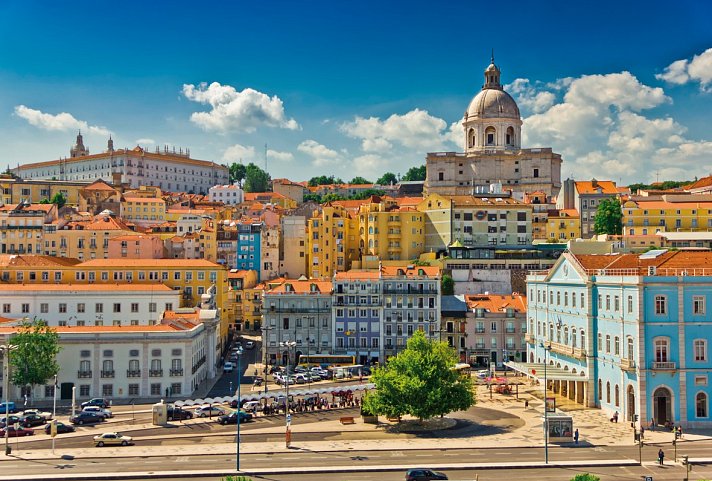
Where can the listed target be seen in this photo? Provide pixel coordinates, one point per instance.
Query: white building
(170, 170)
(80, 305)
(227, 194)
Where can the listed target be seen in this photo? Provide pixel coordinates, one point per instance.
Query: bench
(347, 420)
(394, 420)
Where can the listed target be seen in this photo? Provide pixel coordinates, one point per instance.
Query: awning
(536, 370)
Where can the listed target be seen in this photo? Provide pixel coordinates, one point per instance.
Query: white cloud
(232, 110)
(527, 96)
(320, 154)
(620, 90)
(281, 156)
(699, 69)
(416, 129)
(237, 153)
(145, 142)
(60, 122)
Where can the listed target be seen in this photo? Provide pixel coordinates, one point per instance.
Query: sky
(623, 90)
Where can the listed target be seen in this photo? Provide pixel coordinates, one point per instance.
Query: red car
(13, 433)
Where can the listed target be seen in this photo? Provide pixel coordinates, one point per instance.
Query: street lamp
(546, 419)
(287, 418)
(264, 347)
(5, 349)
(237, 413)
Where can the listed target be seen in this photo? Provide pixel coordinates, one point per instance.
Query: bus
(325, 360)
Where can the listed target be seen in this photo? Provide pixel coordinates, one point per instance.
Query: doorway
(65, 390)
(662, 406)
(631, 404)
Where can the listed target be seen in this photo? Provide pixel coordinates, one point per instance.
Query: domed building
(493, 154)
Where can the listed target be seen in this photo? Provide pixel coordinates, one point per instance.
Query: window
(81, 307)
(661, 349)
(84, 390)
(25, 308)
(49, 390)
(616, 304)
(617, 346)
(600, 390)
(698, 305)
(617, 396)
(155, 389)
(134, 307)
(99, 308)
(151, 307)
(583, 303)
(608, 392)
(44, 308)
(701, 405)
(133, 389)
(608, 344)
(700, 350)
(62, 308)
(107, 390)
(608, 302)
(117, 307)
(630, 304)
(660, 305)
(630, 348)
(600, 342)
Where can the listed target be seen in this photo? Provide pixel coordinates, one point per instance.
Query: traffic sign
(289, 419)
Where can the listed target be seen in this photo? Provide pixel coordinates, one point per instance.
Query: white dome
(493, 104)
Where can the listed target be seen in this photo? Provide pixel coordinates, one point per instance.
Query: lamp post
(546, 418)
(264, 347)
(5, 349)
(54, 408)
(287, 418)
(237, 413)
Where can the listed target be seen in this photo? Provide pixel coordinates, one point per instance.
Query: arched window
(558, 334)
(566, 299)
(551, 331)
(471, 138)
(617, 346)
(573, 337)
(566, 335)
(583, 300)
(701, 405)
(600, 342)
(583, 339)
(600, 390)
(608, 392)
(630, 348)
(618, 396)
(510, 136)
(490, 134)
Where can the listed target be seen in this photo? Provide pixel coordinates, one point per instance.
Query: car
(250, 345)
(423, 474)
(251, 406)
(228, 367)
(206, 411)
(112, 439)
(482, 373)
(45, 414)
(175, 413)
(32, 420)
(61, 428)
(232, 417)
(16, 433)
(86, 417)
(287, 380)
(13, 419)
(97, 401)
(7, 407)
(101, 411)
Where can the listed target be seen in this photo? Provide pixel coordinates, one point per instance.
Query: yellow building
(390, 232)
(332, 241)
(238, 282)
(83, 239)
(669, 213)
(143, 210)
(22, 226)
(563, 225)
(15, 191)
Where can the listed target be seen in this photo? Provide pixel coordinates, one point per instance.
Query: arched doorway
(631, 403)
(531, 357)
(662, 406)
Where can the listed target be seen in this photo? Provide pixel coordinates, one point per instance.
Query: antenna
(265, 157)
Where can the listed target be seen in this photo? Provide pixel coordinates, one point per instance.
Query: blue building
(626, 333)
(249, 242)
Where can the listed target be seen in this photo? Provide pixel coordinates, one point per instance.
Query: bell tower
(78, 150)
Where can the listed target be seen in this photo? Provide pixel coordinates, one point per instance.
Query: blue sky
(346, 88)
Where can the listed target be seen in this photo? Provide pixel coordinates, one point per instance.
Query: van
(7, 406)
(252, 406)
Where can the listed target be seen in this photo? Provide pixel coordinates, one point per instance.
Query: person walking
(661, 457)
(576, 437)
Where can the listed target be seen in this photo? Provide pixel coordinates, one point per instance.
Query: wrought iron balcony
(136, 373)
(665, 366)
(155, 372)
(83, 374)
(176, 372)
(107, 373)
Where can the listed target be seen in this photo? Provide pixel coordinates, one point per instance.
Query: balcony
(479, 330)
(83, 374)
(155, 372)
(107, 373)
(479, 346)
(510, 330)
(665, 366)
(136, 373)
(176, 372)
(627, 364)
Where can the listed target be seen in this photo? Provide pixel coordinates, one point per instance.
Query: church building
(492, 135)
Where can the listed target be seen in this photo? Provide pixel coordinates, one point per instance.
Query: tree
(237, 173)
(360, 180)
(609, 217)
(387, 179)
(256, 179)
(324, 180)
(420, 381)
(415, 173)
(447, 285)
(34, 359)
(365, 194)
(59, 200)
(585, 477)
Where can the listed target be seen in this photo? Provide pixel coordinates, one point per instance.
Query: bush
(585, 477)
(236, 478)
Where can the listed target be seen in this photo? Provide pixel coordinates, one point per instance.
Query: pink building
(137, 246)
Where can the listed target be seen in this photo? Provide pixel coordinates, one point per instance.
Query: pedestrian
(642, 432)
(576, 436)
(661, 457)
(679, 432)
(526, 404)
(652, 423)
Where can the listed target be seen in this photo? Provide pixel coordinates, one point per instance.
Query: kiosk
(160, 413)
(561, 428)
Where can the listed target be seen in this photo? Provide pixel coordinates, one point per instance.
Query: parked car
(32, 420)
(205, 411)
(250, 345)
(61, 428)
(7, 407)
(252, 406)
(112, 439)
(86, 418)
(422, 474)
(232, 417)
(45, 414)
(101, 411)
(97, 401)
(284, 380)
(228, 367)
(16, 433)
(13, 419)
(175, 413)
(483, 373)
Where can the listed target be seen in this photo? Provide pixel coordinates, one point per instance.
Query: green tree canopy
(415, 173)
(447, 285)
(420, 381)
(34, 359)
(387, 179)
(585, 477)
(609, 217)
(237, 173)
(324, 180)
(256, 179)
(365, 194)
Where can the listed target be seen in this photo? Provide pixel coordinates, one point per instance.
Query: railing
(107, 373)
(136, 373)
(510, 330)
(643, 271)
(627, 364)
(83, 374)
(176, 372)
(479, 330)
(665, 366)
(155, 372)
(388, 290)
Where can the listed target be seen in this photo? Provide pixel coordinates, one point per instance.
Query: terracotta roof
(358, 274)
(99, 185)
(70, 288)
(496, 302)
(302, 287)
(132, 237)
(467, 200)
(409, 201)
(29, 260)
(241, 274)
(158, 263)
(586, 187)
(144, 199)
(700, 183)
(23, 207)
(572, 213)
(410, 271)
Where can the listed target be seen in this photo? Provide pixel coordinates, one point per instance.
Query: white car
(228, 367)
(44, 414)
(483, 373)
(252, 406)
(250, 345)
(100, 411)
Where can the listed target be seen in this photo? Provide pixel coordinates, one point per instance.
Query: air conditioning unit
(652, 270)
